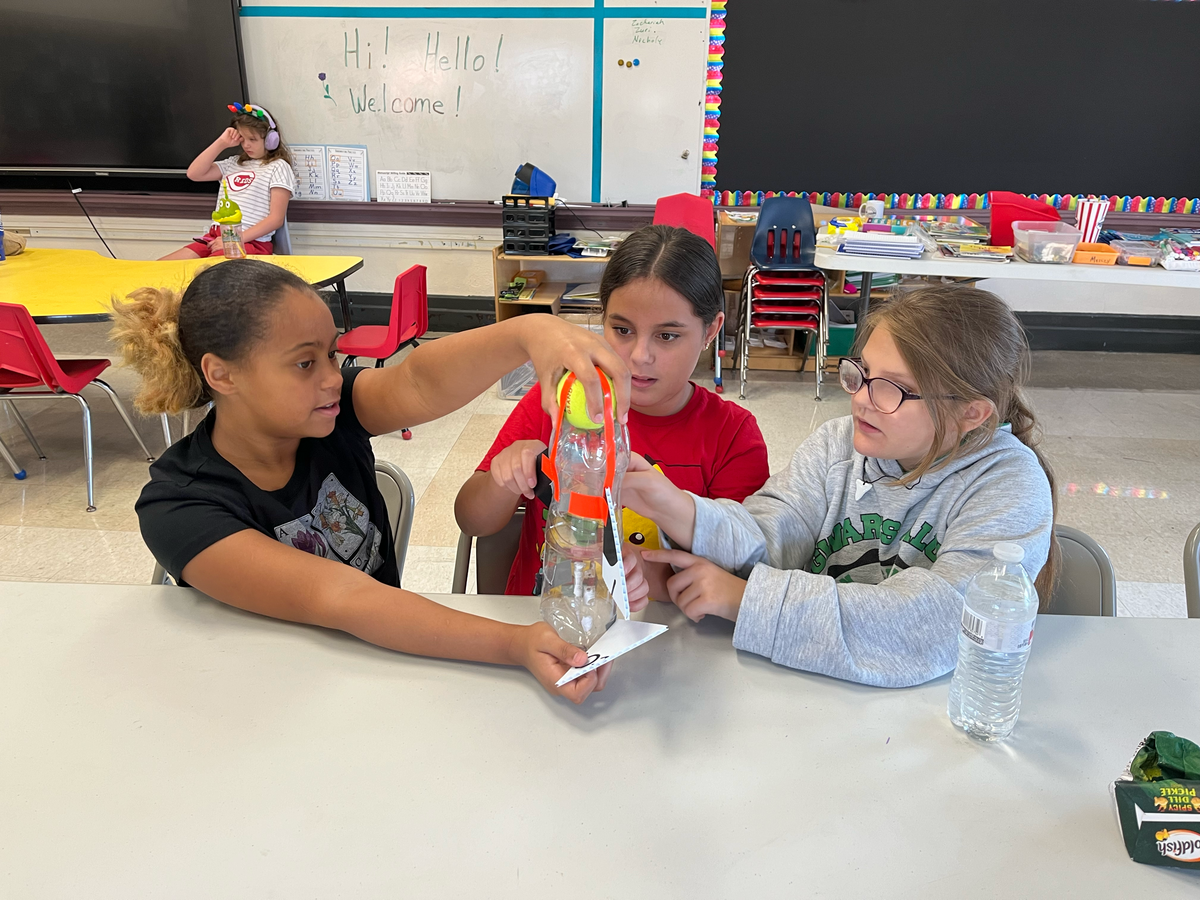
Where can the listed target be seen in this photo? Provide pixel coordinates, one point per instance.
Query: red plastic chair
(27, 364)
(690, 211)
(696, 214)
(409, 320)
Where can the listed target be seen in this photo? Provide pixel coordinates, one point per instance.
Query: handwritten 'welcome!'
(360, 54)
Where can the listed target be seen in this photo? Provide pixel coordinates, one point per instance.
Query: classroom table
(935, 264)
(156, 743)
(72, 286)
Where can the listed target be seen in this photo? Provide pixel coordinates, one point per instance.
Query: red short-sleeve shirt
(712, 447)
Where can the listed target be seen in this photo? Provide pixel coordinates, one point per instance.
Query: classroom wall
(460, 260)
(470, 91)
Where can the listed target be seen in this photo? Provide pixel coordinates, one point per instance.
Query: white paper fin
(614, 572)
(617, 641)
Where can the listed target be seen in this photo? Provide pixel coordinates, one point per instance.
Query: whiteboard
(469, 92)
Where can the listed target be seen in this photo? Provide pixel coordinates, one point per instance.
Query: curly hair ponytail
(225, 311)
(146, 328)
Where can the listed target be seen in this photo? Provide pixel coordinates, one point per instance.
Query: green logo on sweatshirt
(872, 527)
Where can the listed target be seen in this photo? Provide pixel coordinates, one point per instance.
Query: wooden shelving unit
(560, 272)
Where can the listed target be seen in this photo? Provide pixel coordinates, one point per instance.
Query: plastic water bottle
(999, 612)
(588, 458)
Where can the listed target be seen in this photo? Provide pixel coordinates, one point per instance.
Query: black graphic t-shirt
(330, 507)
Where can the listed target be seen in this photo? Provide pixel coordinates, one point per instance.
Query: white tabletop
(1147, 276)
(156, 744)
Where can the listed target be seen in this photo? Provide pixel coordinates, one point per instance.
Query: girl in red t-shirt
(662, 299)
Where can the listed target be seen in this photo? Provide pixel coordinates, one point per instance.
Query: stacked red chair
(782, 289)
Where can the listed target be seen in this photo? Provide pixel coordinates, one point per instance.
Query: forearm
(482, 506)
(451, 371)
(271, 223)
(275, 217)
(404, 621)
(203, 163)
(899, 633)
(671, 509)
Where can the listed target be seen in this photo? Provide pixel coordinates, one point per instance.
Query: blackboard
(960, 96)
(115, 84)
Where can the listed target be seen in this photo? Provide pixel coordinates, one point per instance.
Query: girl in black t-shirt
(271, 504)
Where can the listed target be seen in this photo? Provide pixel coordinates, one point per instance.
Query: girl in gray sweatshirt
(853, 561)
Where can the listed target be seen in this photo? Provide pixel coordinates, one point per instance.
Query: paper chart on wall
(310, 165)
(348, 177)
(393, 186)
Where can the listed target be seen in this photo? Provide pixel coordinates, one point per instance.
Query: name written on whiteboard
(358, 53)
(647, 31)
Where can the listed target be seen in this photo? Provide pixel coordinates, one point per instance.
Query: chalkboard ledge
(472, 213)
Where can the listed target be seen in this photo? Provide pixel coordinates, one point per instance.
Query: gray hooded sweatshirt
(855, 576)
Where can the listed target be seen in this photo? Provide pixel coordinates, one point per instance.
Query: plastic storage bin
(1095, 255)
(1045, 242)
(1137, 253)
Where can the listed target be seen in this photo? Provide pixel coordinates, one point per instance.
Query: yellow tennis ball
(575, 406)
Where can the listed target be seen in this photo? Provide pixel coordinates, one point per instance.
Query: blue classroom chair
(782, 289)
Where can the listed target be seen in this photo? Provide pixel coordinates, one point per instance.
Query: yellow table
(75, 285)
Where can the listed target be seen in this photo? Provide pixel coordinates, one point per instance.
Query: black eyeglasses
(886, 396)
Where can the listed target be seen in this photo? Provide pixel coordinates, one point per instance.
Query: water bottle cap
(1009, 553)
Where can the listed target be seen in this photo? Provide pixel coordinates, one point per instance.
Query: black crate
(528, 232)
(523, 247)
(522, 211)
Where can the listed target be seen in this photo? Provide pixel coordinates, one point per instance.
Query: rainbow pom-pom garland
(848, 200)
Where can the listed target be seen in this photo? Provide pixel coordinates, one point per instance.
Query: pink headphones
(271, 141)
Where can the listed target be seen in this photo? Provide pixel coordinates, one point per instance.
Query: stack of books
(985, 252)
(874, 243)
(953, 229)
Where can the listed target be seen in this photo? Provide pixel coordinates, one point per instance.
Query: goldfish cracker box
(1158, 802)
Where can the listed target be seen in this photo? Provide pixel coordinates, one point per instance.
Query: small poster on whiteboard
(312, 182)
(348, 177)
(393, 186)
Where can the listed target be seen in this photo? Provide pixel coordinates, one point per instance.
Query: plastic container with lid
(1137, 253)
(1095, 254)
(1045, 242)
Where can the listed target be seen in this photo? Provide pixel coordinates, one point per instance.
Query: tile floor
(1122, 430)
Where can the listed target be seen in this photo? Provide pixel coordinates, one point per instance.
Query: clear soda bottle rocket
(586, 458)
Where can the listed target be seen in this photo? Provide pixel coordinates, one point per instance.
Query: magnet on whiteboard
(685, 154)
(637, 62)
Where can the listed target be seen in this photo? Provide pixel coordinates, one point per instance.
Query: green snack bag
(1158, 802)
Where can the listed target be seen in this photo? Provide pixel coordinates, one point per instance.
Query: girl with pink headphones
(259, 179)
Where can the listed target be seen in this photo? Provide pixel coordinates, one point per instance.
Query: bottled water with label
(998, 616)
